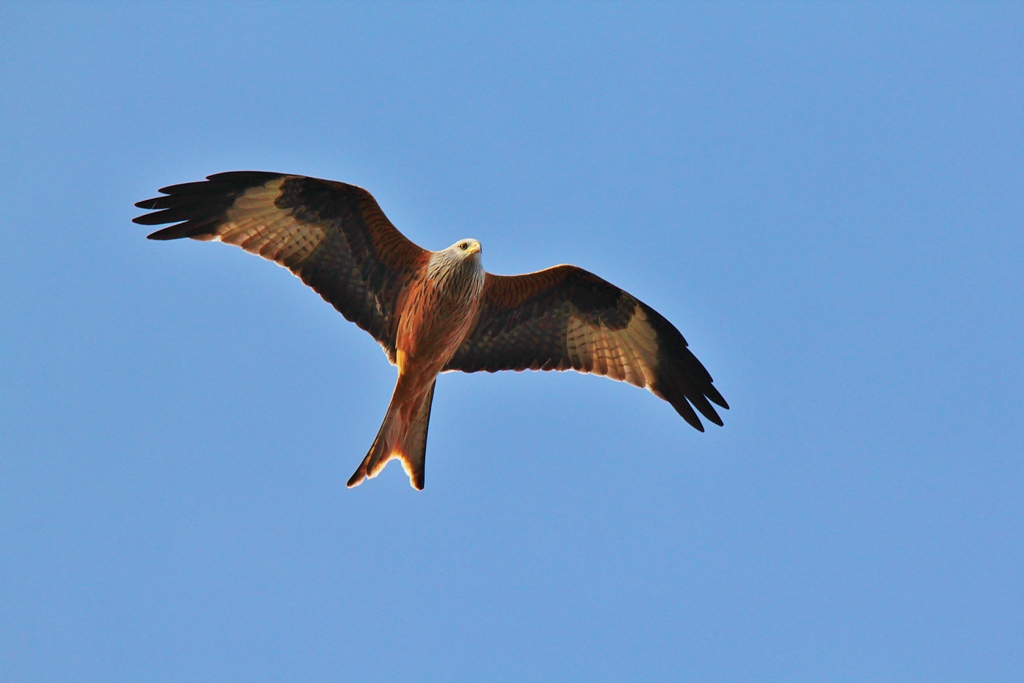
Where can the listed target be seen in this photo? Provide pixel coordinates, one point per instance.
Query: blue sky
(825, 198)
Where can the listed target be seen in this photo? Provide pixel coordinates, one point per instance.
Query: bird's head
(466, 248)
(460, 259)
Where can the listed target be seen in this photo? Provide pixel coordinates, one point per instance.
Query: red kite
(434, 311)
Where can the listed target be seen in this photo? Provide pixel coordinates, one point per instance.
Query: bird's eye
(464, 246)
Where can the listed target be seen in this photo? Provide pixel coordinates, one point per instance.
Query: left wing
(567, 318)
(332, 235)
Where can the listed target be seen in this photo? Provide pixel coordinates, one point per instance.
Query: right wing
(565, 318)
(332, 235)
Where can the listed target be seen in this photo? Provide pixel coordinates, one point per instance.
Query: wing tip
(688, 400)
(173, 232)
(714, 417)
(700, 402)
(715, 396)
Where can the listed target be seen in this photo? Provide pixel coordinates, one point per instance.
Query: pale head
(466, 247)
(460, 261)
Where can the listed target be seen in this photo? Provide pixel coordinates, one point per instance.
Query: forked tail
(399, 438)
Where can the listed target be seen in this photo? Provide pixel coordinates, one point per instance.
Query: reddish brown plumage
(437, 308)
(566, 318)
(434, 311)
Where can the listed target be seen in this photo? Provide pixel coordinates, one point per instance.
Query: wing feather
(332, 235)
(567, 318)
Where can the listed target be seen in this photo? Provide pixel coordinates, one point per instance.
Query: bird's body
(434, 311)
(440, 304)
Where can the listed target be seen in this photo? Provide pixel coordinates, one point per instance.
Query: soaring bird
(434, 311)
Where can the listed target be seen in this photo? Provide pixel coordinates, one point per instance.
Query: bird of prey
(434, 311)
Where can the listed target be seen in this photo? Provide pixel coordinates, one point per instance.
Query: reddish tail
(404, 439)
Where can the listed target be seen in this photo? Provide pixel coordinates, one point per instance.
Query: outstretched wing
(567, 318)
(332, 235)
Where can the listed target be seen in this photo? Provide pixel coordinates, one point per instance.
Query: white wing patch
(255, 224)
(628, 355)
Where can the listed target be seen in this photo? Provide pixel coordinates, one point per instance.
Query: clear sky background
(825, 198)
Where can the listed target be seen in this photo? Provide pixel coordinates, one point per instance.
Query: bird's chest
(434, 322)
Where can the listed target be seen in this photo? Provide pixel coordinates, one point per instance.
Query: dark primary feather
(567, 318)
(332, 235)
